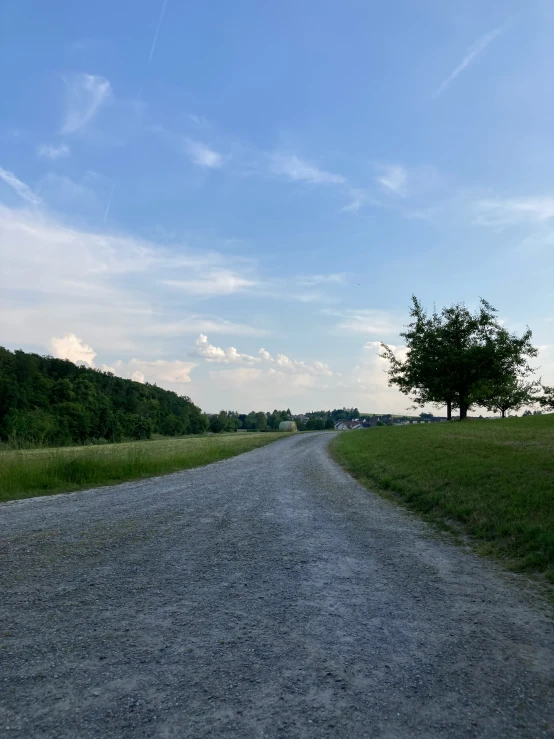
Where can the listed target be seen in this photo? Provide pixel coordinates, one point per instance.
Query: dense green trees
(460, 359)
(55, 402)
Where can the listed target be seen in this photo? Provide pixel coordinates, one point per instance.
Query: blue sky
(237, 200)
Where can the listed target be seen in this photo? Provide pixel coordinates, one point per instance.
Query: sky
(236, 201)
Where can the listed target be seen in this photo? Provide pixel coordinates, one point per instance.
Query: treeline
(253, 421)
(265, 421)
(48, 401)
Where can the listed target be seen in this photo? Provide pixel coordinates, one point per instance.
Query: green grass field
(493, 480)
(31, 472)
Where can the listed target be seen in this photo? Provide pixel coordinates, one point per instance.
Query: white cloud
(23, 190)
(221, 356)
(300, 171)
(220, 282)
(72, 348)
(202, 155)
(282, 362)
(166, 373)
(508, 211)
(49, 151)
(477, 48)
(393, 178)
(370, 380)
(86, 94)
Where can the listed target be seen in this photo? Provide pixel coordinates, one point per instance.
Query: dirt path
(265, 596)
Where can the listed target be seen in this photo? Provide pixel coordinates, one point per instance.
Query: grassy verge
(493, 480)
(31, 472)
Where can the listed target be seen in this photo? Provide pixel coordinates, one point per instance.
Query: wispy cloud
(75, 277)
(501, 212)
(219, 282)
(365, 321)
(296, 169)
(23, 190)
(393, 178)
(202, 155)
(358, 199)
(477, 48)
(194, 324)
(86, 94)
(158, 28)
(49, 151)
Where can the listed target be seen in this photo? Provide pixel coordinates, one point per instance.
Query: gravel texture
(268, 595)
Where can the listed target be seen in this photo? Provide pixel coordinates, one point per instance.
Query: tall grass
(30, 472)
(492, 479)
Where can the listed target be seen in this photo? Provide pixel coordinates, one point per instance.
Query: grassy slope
(24, 474)
(494, 478)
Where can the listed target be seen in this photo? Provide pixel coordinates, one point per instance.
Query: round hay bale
(287, 426)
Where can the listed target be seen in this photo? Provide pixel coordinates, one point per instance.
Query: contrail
(478, 47)
(109, 203)
(157, 30)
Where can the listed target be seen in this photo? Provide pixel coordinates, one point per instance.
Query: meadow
(490, 479)
(31, 472)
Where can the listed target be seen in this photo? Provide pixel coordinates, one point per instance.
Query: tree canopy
(459, 359)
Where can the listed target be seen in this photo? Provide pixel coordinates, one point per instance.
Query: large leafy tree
(456, 358)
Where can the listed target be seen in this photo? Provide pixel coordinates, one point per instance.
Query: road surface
(268, 595)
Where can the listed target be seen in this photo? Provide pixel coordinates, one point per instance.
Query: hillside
(47, 401)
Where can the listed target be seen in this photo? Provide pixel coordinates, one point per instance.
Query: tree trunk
(463, 409)
(449, 410)
(503, 413)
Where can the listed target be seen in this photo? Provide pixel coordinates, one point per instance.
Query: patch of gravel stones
(268, 595)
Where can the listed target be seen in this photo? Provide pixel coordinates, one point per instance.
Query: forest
(53, 402)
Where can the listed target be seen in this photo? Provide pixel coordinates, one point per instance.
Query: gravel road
(268, 595)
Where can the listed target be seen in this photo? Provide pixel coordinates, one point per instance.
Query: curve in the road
(269, 595)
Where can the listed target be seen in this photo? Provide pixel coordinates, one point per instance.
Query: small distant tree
(329, 423)
(527, 413)
(511, 394)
